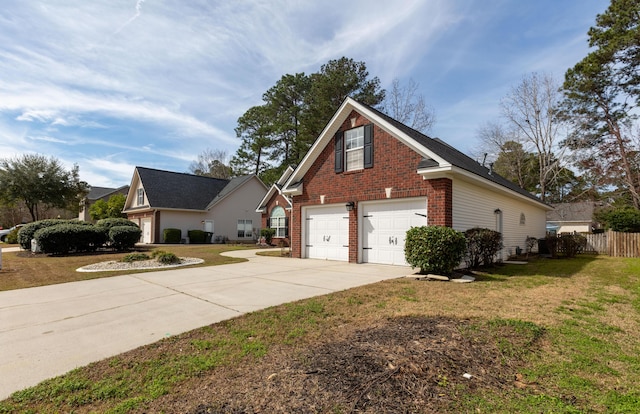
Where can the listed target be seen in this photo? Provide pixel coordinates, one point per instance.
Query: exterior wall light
(350, 205)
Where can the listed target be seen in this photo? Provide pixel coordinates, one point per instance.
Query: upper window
(140, 196)
(354, 148)
(278, 222)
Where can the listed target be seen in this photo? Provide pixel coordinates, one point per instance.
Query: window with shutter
(354, 149)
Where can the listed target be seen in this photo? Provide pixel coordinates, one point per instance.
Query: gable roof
(276, 188)
(166, 189)
(439, 158)
(96, 193)
(582, 211)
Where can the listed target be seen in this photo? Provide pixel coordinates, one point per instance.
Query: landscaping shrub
(482, 246)
(267, 234)
(28, 230)
(568, 245)
(124, 237)
(12, 237)
(434, 249)
(572, 244)
(196, 236)
(172, 235)
(69, 237)
(167, 258)
(113, 222)
(135, 257)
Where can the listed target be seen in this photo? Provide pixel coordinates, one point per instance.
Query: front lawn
(23, 269)
(558, 336)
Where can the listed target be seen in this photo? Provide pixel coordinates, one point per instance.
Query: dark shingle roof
(166, 189)
(453, 156)
(582, 211)
(98, 192)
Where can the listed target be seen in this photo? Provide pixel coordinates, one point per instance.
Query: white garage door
(327, 233)
(385, 226)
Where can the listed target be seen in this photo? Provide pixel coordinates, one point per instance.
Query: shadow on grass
(538, 266)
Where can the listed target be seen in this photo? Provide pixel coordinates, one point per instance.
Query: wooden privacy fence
(614, 244)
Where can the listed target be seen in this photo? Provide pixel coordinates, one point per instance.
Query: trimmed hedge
(172, 235)
(27, 231)
(124, 237)
(434, 249)
(69, 237)
(196, 236)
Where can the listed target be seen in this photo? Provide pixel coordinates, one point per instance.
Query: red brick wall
(276, 200)
(394, 165)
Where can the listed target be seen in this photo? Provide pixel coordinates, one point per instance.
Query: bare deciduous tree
(405, 104)
(531, 109)
(212, 163)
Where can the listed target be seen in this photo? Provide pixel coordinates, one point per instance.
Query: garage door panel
(327, 233)
(385, 226)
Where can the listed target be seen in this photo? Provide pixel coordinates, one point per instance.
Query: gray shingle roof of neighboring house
(452, 155)
(582, 211)
(96, 193)
(166, 189)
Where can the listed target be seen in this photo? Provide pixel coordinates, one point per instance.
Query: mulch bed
(400, 365)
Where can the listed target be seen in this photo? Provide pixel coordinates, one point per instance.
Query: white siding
(474, 206)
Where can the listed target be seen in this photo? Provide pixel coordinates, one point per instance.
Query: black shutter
(339, 151)
(268, 223)
(286, 227)
(368, 146)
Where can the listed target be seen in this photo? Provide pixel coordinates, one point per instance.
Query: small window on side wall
(140, 196)
(523, 219)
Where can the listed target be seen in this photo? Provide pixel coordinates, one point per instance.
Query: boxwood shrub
(69, 237)
(112, 222)
(172, 235)
(28, 230)
(434, 249)
(196, 236)
(124, 237)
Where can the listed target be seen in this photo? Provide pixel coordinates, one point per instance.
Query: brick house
(275, 210)
(368, 178)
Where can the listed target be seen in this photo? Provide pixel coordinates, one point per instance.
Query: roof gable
(438, 157)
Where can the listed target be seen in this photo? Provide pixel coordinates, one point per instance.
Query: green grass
(585, 312)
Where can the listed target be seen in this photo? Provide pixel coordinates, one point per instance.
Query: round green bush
(167, 258)
(172, 235)
(124, 237)
(196, 236)
(113, 222)
(27, 231)
(135, 257)
(434, 249)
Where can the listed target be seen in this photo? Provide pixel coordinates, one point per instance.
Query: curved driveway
(47, 331)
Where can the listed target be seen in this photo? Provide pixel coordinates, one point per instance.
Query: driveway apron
(50, 330)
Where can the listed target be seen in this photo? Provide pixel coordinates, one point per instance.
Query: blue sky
(113, 84)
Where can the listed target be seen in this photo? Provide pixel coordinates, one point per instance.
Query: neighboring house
(572, 218)
(95, 194)
(368, 178)
(163, 199)
(275, 209)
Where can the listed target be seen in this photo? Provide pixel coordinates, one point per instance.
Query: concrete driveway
(47, 331)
